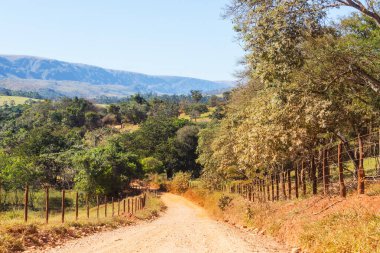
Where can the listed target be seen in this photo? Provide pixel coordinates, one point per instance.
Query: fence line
(138, 202)
(332, 169)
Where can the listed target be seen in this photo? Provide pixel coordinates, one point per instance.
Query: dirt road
(185, 227)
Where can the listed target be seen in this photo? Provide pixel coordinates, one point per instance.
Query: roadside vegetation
(307, 83)
(17, 236)
(312, 224)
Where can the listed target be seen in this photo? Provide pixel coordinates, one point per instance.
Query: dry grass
(16, 236)
(204, 117)
(18, 100)
(316, 224)
(127, 127)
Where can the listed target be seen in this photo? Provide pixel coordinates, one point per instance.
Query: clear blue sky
(165, 37)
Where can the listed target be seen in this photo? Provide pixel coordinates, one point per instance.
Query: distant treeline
(28, 94)
(148, 96)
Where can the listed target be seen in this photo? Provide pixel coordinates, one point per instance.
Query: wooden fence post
(277, 186)
(296, 170)
(63, 206)
(113, 207)
(87, 206)
(257, 190)
(249, 192)
(47, 204)
(124, 206)
(76, 206)
(342, 187)
(283, 184)
(361, 174)
(253, 191)
(97, 206)
(313, 175)
(303, 178)
(289, 185)
(26, 202)
(129, 209)
(272, 180)
(326, 173)
(320, 166)
(132, 206)
(105, 206)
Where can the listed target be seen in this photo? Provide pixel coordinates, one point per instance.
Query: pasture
(17, 100)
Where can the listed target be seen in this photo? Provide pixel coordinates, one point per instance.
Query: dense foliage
(307, 83)
(73, 143)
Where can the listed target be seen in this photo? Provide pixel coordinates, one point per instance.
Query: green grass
(16, 99)
(204, 117)
(105, 106)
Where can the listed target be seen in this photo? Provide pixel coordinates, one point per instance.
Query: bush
(200, 108)
(180, 182)
(224, 201)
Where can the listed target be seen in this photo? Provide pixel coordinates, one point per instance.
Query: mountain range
(52, 78)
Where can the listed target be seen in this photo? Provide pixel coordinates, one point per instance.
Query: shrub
(224, 201)
(180, 182)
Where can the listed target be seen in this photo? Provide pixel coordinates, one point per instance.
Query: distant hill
(52, 78)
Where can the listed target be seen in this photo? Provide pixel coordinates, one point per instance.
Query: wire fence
(51, 205)
(334, 169)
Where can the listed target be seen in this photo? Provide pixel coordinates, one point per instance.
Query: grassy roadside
(316, 224)
(18, 236)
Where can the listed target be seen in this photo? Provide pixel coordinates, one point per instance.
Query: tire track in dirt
(184, 227)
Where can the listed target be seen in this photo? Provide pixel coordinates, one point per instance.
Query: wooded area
(308, 83)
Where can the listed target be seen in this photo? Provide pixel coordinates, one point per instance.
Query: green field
(16, 99)
(204, 117)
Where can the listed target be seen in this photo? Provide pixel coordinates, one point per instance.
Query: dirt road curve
(184, 227)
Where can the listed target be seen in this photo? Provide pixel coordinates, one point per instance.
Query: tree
(186, 142)
(226, 95)
(218, 114)
(105, 170)
(273, 32)
(196, 95)
(138, 99)
(152, 165)
(211, 173)
(92, 120)
(275, 121)
(16, 171)
(161, 108)
(369, 8)
(213, 101)
(134, 112)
